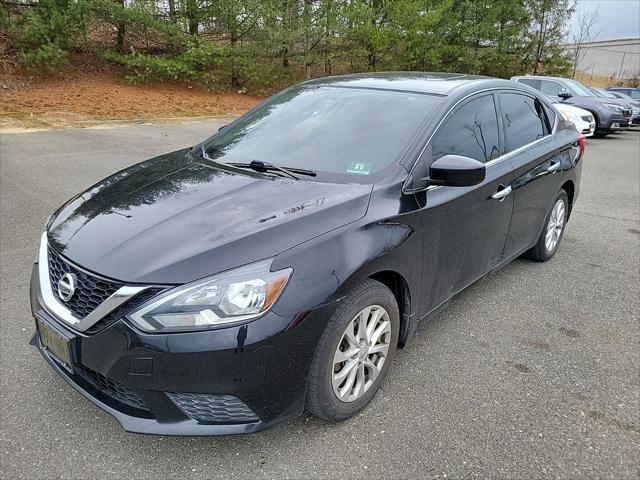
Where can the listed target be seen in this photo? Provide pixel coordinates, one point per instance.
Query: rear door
(528, 125)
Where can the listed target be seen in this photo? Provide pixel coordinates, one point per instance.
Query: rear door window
(471, 131)
(523, 119)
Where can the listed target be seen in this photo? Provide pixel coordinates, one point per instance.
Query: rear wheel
(554, 225)
(354, 353)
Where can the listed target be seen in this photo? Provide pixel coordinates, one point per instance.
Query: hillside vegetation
(260, 45)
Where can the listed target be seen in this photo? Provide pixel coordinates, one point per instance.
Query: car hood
(173, 219)
(587, 102)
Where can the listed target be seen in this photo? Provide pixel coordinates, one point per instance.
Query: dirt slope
(89, 99)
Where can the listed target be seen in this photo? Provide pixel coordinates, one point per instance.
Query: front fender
(327, 267)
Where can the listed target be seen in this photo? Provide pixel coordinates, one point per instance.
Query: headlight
(229, 298)
(613, 106)
(570, 117)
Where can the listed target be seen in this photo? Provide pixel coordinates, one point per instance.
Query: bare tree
(548, 23)
(587, 22)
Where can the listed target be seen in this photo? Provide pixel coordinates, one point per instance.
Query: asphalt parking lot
(531, 373)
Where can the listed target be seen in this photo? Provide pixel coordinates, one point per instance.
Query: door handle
(554, 167)
(502, 193)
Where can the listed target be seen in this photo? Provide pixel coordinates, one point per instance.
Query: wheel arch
(399, 286)
(570, 188)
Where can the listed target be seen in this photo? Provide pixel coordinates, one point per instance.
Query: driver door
(464, 229)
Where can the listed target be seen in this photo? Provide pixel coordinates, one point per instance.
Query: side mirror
(564, 95)
(457, 171)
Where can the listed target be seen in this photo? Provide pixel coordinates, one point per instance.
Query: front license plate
(57, 345)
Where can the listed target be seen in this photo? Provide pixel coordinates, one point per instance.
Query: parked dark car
(279, 264)
(632, 92)
(610, 115)
(635, 104)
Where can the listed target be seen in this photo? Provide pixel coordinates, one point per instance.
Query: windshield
(624, 96)
(578, 89)
(603, 93)
(635, 94)
(326, 129)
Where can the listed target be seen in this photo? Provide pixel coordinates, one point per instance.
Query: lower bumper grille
(213, 408)
(111, 388)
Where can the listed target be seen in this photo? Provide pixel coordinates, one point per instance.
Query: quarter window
(523, 118)
(532, 82)
(471, 131)
(551, 117)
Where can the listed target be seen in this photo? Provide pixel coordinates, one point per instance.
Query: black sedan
(280, 264)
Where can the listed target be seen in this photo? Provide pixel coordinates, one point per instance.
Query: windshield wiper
(259, 166)
(264, 167)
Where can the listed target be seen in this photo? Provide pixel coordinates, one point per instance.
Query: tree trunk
(306, 15)
(328, 36)
(372, 60)
(191, 12)
(540, 46)
(327, 67)
(235, 77)
(120, 31)
(172, 11)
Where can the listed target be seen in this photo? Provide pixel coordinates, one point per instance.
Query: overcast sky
(616, 18)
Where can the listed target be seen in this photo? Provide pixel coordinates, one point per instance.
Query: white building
(607, 58)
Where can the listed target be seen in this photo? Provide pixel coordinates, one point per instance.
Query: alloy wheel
(555, 225)
(361, 353)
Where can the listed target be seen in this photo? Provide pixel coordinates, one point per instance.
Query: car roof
(540, 77)
(436, 83)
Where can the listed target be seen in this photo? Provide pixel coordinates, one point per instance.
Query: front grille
(112, 388)
(587, 118)
(213, 408)
(90, 291)
(124, 309)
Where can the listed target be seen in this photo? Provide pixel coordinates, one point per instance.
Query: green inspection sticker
(363, 168)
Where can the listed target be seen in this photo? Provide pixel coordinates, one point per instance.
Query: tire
(322, 399)
(598, 131)
(542, 251)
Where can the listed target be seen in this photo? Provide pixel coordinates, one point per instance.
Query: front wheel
(553, 230)
(354, 353)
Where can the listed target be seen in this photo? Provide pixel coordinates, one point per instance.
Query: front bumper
(611, 121)
(228, 381)
(589, 129)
